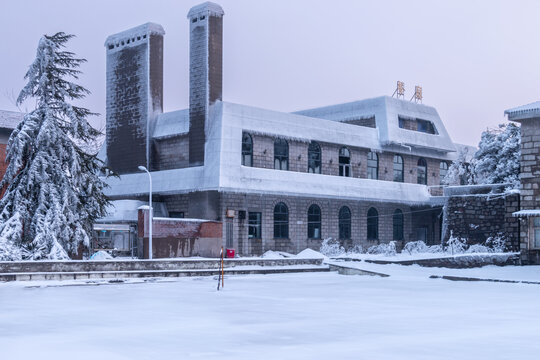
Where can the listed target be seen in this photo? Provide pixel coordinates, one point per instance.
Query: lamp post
(151, 220)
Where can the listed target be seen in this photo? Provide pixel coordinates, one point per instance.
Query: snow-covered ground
(288, 316)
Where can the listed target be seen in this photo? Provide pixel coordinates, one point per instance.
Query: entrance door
(421, 234)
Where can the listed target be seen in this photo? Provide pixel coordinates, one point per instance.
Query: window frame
(255, 224)
(344, 223)
(314, 158)
(398, 226)
(281, 226)
(245, 151)
(314, 216)
(441, 176)
(402, 170)
(370, 169)
(283, 155)
(345, 168)
(372, 224)
(424, 169)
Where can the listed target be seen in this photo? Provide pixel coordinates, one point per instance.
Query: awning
(527, 213)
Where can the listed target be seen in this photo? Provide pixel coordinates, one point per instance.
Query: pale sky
(474, 59)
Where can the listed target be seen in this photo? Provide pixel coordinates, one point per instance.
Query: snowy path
(289, 316)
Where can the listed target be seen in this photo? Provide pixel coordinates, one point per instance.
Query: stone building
(364, 172)
(8, 122)
(529, 118)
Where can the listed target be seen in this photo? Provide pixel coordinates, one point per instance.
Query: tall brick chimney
(134, 95)
(205, 72)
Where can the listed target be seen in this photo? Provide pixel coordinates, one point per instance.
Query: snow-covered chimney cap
(135, 34)
(523, 112)
(207, 8)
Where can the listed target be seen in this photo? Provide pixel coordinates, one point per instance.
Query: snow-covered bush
(415, 247)
(496, 243)
(434, 249)
(383, 249)
(331, 247)
(456, 245)
(356, 249)
(478, 248)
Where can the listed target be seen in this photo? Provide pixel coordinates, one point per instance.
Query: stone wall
(478, 217)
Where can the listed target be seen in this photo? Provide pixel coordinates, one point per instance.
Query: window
(344, 162)
(372, 166)
(536, 223)
(422, 172)
(176, 214)
(254, 225)
(372, 224)
(247, 150)
(398, 168)
(281, 154)
(426, 126)
(344, 223)
(281, 221)
(443, 170)
(397, 221)
(314, 222)
(314, 158)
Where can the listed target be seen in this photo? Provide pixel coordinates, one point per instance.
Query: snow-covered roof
(207, 8)
(138, 31)
(223, 172)
(527, 213)
(127, 210)
(387, 111)
(528, 111)
(10, 119)
(171, 124)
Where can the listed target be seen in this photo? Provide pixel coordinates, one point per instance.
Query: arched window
(422, 171)
(372, 166)
(314, 158)
(344, 162)
(398, 168)
(344, 223)
(247, 150)
(281, 221)
(398, 224)
(314, 222)
(281, 154)
(443, 170)
(372, 224)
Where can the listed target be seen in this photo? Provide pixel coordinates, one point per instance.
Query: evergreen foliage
(53, 193)
(497, 158)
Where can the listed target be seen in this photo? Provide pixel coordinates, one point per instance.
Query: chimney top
(207, 8)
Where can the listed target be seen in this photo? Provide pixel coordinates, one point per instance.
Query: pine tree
(53, 193)
(459, 173)
(497, 158)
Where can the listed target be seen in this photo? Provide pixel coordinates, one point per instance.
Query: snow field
(288, 316)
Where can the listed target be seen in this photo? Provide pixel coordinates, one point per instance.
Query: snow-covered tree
(459, 173)
(53, 193)
(497, 158)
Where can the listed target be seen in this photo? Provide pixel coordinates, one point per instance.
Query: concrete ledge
(460, 278)
(345, 270)
(38, 276)
(143, 265)
(458, 262)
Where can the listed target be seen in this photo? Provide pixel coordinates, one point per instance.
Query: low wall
(173, 238)
(476, 216)
(460, 261)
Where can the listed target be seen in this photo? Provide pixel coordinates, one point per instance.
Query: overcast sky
(474, 59)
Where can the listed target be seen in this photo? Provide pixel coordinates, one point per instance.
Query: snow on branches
(53, 192)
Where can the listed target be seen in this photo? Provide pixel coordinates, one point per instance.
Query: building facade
(364, 172)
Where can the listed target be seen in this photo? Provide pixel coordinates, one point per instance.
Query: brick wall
(3, 164)
(263, 157)
(170, 153)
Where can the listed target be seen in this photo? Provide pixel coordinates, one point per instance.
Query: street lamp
(142, 168)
